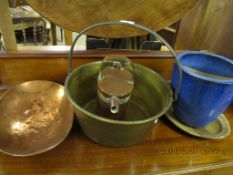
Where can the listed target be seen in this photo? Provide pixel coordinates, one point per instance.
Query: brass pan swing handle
(129, 23)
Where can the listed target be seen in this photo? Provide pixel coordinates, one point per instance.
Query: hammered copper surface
(34, 117)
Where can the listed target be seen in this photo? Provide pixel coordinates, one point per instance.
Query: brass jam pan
(34, 117)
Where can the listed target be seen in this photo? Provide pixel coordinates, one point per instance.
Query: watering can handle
(129, 23)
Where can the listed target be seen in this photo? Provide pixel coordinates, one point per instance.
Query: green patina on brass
(151, 98)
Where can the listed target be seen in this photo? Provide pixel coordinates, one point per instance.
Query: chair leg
(34, 32)
(24, 36)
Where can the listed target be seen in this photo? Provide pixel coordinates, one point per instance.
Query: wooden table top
(78, 14)
(165, 150)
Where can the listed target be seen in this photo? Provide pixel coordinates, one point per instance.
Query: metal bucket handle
(129, 23)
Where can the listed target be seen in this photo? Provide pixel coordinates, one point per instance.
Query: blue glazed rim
(181, 55)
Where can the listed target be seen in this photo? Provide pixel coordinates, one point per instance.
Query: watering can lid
(78, 14)
(117, 82)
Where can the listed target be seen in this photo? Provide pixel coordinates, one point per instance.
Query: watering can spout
(114, 85)
(114, 105)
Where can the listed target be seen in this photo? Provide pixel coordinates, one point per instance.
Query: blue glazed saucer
(218, 129)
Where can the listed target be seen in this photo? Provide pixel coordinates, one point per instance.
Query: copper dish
(34, 117)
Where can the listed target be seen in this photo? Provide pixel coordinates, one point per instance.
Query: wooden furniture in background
(6, 26)
(68, 37)
(29, 26)
(169, 33)
(33, 30)
(208, 26)
(50, 62)
(53, 33)
(78, 14)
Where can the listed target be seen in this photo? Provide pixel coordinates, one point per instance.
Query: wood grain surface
(207, 26)
(22, 65)
(165, 150)
(219, 171)
(6, 26)
(76, 15)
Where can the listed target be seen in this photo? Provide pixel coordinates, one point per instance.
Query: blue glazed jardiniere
(207, 87)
